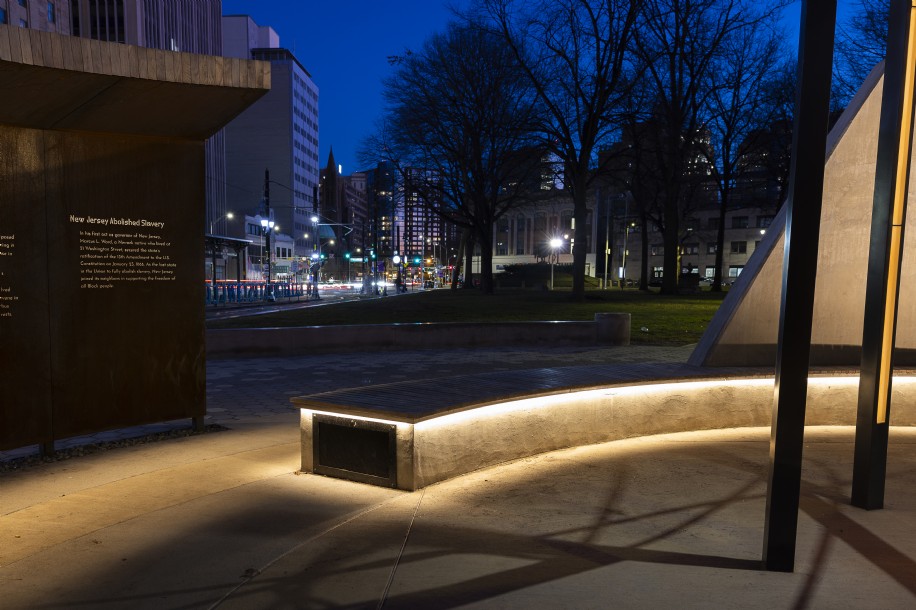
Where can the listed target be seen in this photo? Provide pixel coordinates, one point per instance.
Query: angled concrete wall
(744, 330)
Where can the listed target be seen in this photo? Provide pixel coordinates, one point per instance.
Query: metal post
(553, 253)
(884, 259)
(806, 185)
(626, 238)
(269, 228)
(607, 239)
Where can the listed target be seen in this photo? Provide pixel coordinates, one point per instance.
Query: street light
(555, 244)
(228, 215)
(316, 258)
(267, 226)
(213, 244)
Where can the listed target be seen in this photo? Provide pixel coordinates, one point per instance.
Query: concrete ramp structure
(744, 330)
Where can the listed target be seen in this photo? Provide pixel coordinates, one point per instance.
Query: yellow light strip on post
(900, 193)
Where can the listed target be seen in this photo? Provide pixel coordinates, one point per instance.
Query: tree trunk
(720, 244)
(671, 269)
(644, 250)
(469, 261)
(456, 272)
(580, 251)
(486, 258)
(580, 234)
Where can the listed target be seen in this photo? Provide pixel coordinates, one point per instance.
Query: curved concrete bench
(412, 434)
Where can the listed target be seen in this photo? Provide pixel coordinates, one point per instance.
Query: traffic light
(347, 256)
(416, 260)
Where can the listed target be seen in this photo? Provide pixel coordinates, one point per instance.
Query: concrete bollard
(613, 328)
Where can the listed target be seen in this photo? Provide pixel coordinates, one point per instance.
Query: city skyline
(345, 47)
(347, 51)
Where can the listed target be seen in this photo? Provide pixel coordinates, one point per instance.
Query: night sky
(345, 44)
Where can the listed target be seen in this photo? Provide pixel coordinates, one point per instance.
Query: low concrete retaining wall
(607, 329)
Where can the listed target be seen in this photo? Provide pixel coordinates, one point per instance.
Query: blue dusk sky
(345, 45)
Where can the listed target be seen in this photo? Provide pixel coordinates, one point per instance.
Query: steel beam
(884, 258)
(806, 186)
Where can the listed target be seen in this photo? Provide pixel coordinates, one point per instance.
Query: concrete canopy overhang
(77, 84)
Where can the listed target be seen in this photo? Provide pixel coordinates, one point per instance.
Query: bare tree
(575, 53)
(860, 45)
(461, 109)
(680, 43)
(744, 118)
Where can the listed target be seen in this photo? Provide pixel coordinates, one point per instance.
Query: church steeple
(330, 194)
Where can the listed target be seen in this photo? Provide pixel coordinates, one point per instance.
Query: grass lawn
(669, 320)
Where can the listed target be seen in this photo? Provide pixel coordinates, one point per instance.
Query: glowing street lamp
(267, 226)
(228, 215)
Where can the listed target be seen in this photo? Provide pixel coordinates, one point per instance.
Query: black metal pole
(884, 259)
(268, 228)
(806, 186)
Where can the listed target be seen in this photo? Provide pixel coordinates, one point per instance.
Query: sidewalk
(223, 520)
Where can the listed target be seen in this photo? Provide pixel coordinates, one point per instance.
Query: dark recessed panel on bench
(354, 449)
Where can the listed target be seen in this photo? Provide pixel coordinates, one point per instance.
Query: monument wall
(745, 328)
(101, 230)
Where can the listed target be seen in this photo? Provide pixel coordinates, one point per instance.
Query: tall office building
(278, 133)
(47, 16)
(190, 26)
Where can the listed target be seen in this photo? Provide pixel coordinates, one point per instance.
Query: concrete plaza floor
(224, 520)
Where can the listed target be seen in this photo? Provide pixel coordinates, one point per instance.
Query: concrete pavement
(223, 520)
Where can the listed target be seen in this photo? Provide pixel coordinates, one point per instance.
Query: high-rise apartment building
(278, 133)
(424, 229)
(383, 206)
